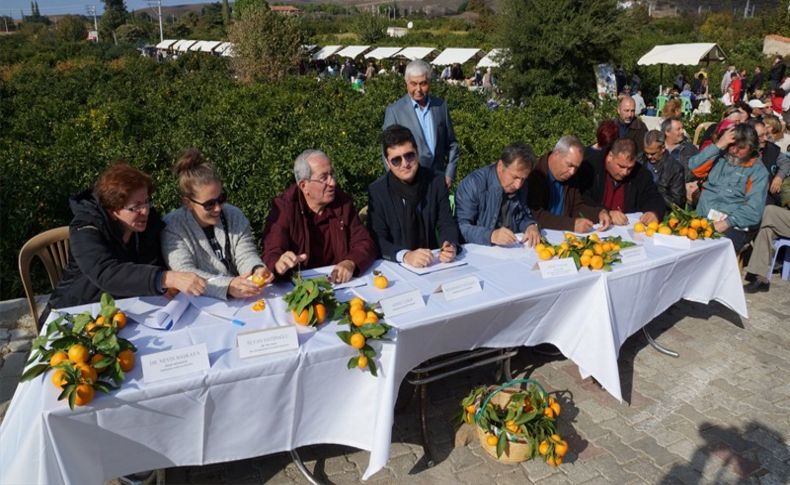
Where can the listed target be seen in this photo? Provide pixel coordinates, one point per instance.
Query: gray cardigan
(186, 248)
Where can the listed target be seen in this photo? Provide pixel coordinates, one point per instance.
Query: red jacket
(286, 230)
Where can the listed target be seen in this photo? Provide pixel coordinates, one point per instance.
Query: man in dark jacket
(313, 224)
(777, 72)
(623, 186)
(667, 174)
(409, 206)
(775, 162)
(491, 202)
(555, 189)
(631, 127)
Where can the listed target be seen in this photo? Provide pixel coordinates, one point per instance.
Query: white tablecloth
(246, 408)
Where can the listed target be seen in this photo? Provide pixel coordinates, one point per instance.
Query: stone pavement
(720, 413)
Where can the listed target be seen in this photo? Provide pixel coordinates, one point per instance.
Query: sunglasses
(408, 156)
(211, 203)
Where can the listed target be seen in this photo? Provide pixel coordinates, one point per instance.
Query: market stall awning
(326, 51)
(182, 45)
(412, 53)
(205, 45)
(383, 52)
(454, 55)
(353, 51)
(682, 54)
(165, 44)
(492, 59)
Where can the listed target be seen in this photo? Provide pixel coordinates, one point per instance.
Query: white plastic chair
(778, 245)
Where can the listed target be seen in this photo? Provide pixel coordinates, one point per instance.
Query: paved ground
(718, 414)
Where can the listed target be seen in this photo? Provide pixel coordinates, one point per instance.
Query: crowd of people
(119, 244)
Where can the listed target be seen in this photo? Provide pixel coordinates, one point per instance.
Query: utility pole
(159, 13)
(92, 11)
(746, 10)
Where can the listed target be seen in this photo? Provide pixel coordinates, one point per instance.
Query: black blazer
(641, 194)
(386, 223)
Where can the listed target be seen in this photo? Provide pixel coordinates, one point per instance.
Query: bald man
(629, 124)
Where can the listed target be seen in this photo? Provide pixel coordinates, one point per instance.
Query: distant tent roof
(165, 44)
(205, 45)
(490, 59)
(453, 55)
(412, 53)
(182, 45)
(353, 51)
(326, 51)
(223, 47)
(682, 54)
(383, 52)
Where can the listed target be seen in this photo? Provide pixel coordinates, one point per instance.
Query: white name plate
(633, 254)
(557, 267)
(267, 341)
(405, 302)
(175, 363)
(460, 288)
(677, 242)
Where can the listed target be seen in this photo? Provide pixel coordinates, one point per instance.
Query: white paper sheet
(326, 270)
(147, 312)
(435, 266)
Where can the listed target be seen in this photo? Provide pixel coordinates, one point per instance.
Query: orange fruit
(544, 254)
(596, 262)
(615, 247)
(492, 440)
(58, 357)
(664, 230)
(357, 341)
(650, 232)
(87, 372)
(683, 231)
(543, 448)
(570, 236)
(358, 317)
(100, 320)
(588, 252)
(585, 260)
(59, 378)
(539, 247)
(692, 234)
(555, 437)
(356, 302)
(598, 249)
(258, 281)
(95, 359)
(119, 319)
(555, 461)
(319, 310)
(695, 223)
(639, 227)
(85, 393)
(703, 223)
(301, 318)
(362, 362)
(126, 360)
(673, 221)
(594, 237)
(653, 225)
(78, 353)
(709, 232)
(606, 247)
(471, 408)
(549, 413)
(371, 317)
(91, 328)
(560, 448)
(381, 282)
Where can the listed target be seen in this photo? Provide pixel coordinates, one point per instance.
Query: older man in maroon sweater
(314, 224)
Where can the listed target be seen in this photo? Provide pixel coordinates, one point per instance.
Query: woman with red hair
(605, 135)
(114, 244)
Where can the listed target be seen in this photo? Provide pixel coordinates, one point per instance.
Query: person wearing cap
(758, 108)
(739, 114)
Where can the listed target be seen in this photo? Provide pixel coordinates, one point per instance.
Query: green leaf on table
(353, 362)
(34, 372)
(345, 336)
(372, 366)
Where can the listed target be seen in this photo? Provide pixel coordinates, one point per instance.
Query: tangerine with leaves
(85, 394)
(58, 357)
(126, 360)
(78, 353)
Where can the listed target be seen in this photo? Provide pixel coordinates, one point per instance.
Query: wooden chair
(700, 130)
(52, 247)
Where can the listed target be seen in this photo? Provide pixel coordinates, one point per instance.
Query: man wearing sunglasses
(428, 119)
(409, 207)
(313, 224)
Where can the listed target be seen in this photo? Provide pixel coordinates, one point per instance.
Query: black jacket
(386, 224)
(636, 131)
(669, 179)
(99, 261)
(641, 194)
(777, 72)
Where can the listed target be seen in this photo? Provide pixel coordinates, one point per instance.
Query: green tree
(241, 6)
(226, 13)
(266, 45)
(115, 15)
(369, 28)
(71, 28)
(130, 34)
(553, 45)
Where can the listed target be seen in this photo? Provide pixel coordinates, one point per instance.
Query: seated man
(555, 189)
(667, 174)
(491, 202)
(409, 206)
(775, 223)
(621, 186)
(313, 223)
(776, 162)
(736, 185)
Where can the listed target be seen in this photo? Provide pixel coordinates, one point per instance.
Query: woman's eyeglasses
(139, 208)
(211, 203)
(408, 156)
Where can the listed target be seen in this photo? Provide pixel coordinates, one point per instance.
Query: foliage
(266, 45)
(71, 28)
(115, 15)
(240, 7)
(586, 251)
(554, 43)
(370, 28)
(362, 329)
(130, 34)
(307, 293)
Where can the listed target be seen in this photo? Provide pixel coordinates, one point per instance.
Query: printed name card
(460, 288)
(267, 341)
(633, 254)
(403, 303)
(557, 267)
(175, 363)
(677, 242)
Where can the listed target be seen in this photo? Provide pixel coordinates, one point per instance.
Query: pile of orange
(587, 251)
(680, 222)
(553, 449)
(364, 324)
(314, 314)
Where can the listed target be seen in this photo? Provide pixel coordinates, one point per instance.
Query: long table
(246, 408)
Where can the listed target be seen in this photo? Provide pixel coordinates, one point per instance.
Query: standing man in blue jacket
(491, 202)
(428, 118)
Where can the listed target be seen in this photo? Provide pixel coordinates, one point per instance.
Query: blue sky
(62, 7)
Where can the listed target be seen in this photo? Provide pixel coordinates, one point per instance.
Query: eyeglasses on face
(324, 179)
(139, 208)
(408, 156)
(211, 203)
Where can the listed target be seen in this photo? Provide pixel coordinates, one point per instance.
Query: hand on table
(605, 219)
(419, 258)
(531, 236)
(241, 287)
(447, 253)
(503, 237)
(185, 282)
(648, 217)
(263, 272)
(618, 218)
(582, 225)
(342, 272)
(287, 261)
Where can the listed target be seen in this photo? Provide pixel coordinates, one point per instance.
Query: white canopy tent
(183, 45)
(326, 51)
(205, 45)
(166, 44)
(454, 55)
(353, 51)
(412, 53)
(383, 52)
(223, 48)
(682, 54)
(491, 59)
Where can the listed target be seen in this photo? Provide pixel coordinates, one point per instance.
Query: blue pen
(234, 321)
